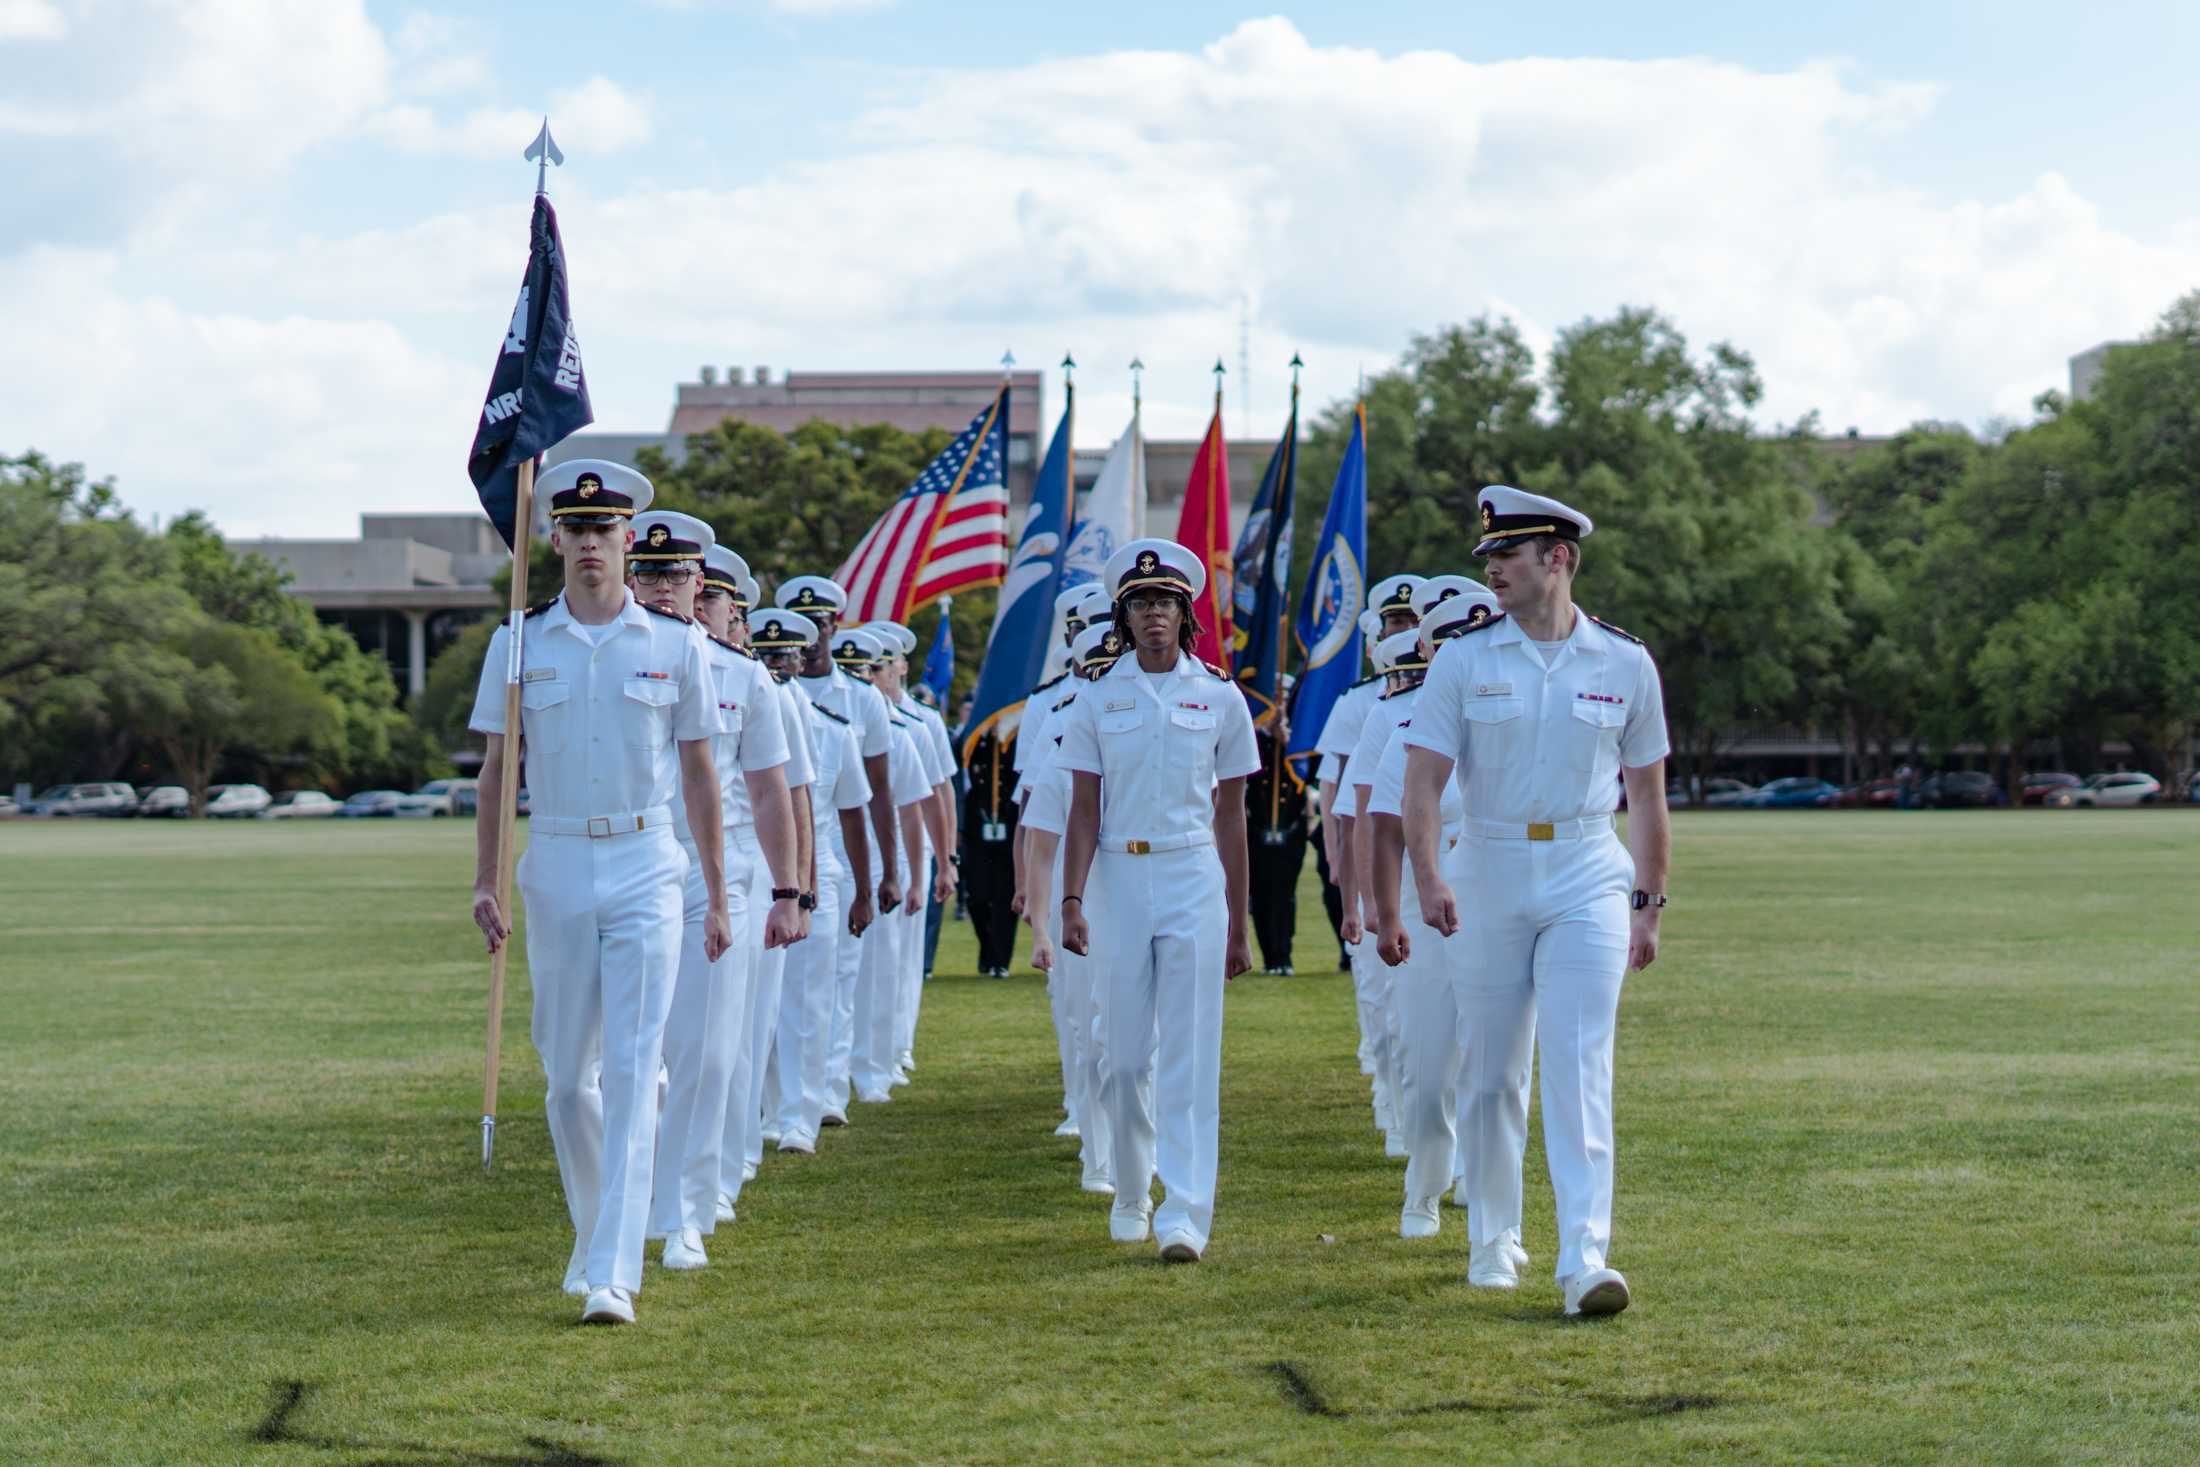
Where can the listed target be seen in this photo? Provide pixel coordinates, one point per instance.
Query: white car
(437, 797)
(300, 805)
(235, 801)
(171, 800)
(2109, 792)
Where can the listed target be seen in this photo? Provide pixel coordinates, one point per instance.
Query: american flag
(947, 533)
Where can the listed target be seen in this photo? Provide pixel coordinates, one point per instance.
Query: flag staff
(542, 152)
(1283, 704)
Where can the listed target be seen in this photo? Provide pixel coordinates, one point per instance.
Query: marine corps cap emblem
(658, 535)
(1489, 516)
(1479, 615)
(588, 484)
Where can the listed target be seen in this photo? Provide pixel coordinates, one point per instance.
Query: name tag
(1117, 705)
(1599, 698)
(1493, 690)
(992, 830)
(537, 674)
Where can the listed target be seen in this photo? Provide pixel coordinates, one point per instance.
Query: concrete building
(404, 588)
(2086, 369)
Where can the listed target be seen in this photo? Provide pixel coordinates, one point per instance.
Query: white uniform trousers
(1159, 953)
(763, 1099)
(746, 873)
(1059, 1001)
(707, 1003)
(1545, 956)
(911, 993)
(871, 1060)
(806, 1009)
(847, 968)
(603, 953)
(1082, 1036)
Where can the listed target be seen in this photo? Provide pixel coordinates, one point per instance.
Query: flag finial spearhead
(543, 152)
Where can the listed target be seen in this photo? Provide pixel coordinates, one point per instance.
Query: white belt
(600, 827)
(1151, 844)
(1582, 829)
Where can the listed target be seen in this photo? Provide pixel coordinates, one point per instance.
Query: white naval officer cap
(897, 637)
(749, 594)
(776, 629)
(857, 647)
(666, 537)
(1393, 593)
(1098, 645)
(1154, 563)
(810, 594)
(1511, 515)
(594, 491)
(1401, 652)
(1070, 600)
(1456, 614)
(724, 571)
(1443, 588)
(1371, 628)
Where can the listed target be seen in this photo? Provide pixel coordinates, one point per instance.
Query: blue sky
(263, 249)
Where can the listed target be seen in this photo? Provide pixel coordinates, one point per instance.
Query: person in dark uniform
(1275, 824)
(988, 848)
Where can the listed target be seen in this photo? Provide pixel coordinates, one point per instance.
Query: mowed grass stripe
(1906, 1136)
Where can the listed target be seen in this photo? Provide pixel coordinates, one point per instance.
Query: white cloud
(32, 20)
(598, 116)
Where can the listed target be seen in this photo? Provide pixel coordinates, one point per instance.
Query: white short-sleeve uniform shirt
(1045, 786)
(941, 759)
(1535, 742)
(794, 717)
(601, 707)
(1342, 730)
(755, 736)
(1158, 746)
(1375, 734)
(838, 782)
(859, 703)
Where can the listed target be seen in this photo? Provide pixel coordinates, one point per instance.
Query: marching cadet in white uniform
(1046, 816)
(825, 685)
(1038, 740)
(1075, 609)
(871, 1056)
(665, 571)
(1371, 985)
(841, 894)
(1164, 845)
(1541, 713)
(617, 708)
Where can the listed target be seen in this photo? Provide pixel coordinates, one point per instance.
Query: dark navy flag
(1023, 621)
(537, 394)
(939, 663)
(1262, 575)
(1328, 627)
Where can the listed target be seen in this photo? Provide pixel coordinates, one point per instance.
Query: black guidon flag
(538, 393)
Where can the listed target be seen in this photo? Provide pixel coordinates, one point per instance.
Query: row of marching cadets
(736, 814)
(1476, 780)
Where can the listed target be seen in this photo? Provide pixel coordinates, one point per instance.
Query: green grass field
(1909, 1171)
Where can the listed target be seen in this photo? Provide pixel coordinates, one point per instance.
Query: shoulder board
(1050, 682)
(822, 711)
(667, 615)
(1615, 631)
(541, 606)
(1483, 626)
(1063, 704)
(1370, 678)
(1215, 671)
(731, 646)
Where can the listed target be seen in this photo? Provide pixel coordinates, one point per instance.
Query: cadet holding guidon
(1158, 749)
(1541, 714)
(617, 707)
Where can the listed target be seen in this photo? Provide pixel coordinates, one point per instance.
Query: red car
(1872, 794)
(2038, 788)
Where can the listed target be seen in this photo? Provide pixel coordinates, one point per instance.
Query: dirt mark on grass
(1302, 1395)
(277, 1429)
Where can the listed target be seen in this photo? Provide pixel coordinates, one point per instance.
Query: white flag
(1113, 512)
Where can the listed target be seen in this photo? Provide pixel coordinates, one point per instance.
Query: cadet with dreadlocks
(1158, 750)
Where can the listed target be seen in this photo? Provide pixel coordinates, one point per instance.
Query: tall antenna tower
(1245, 366)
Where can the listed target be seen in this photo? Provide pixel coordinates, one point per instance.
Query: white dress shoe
(908, 1061)
(1179, 1248)
(1068, 1127)
(874, 1097)
(684, 1251)
(1596, 1291)
(1099, 1186)
(771, 1137)
(1495, 1264)
(896, 1080)
(1128, 1223)
(748, 1171)
(725, 1208)
(1394, 1145)
(608, 1306)
(576, 1274)
(1420, 1220)
(798, 1142)
(834, 1117)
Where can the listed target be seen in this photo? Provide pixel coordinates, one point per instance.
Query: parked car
(2038, 787)
(1797, 792)
(1961, 789)
(1871, 794)
(2192, 789)
(171, 800)
(300, 805)
(85, 799)
(1727, 794)
(2110, 792)
(436, 797)
(236, 801)
(370, 803)
(7, 806)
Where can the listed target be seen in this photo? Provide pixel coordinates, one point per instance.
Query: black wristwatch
(786, 893)
(807, 901)
(1644, 899)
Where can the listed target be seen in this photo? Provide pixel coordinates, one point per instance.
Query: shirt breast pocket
(1596, 730)
(1115, 725)
(647, 711)
(1493, 732)
(545, 709)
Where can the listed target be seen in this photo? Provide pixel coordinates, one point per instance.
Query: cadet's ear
(557, 542)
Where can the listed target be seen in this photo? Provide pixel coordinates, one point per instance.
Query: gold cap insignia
(658, 535)
(808, 597)
(1489, 516)
(1148, 562)
(1446, 594)
(771, 631)
(1478, 615)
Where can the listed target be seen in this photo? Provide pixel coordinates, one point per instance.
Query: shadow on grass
(276, 1429)
(1302, 1395)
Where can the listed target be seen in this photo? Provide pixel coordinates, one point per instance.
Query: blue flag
(939, 663)
(1328, 627)
(1023, 627)
(1261, 574)
(537, 394)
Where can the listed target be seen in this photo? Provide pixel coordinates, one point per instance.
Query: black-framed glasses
(664, 575)
(1139, 601)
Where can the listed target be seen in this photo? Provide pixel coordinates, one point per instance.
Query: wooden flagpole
(523, 524)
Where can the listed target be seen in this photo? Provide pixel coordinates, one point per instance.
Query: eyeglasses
(664, 575)
(1139, 601)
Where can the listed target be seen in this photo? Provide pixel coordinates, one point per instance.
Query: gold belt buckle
(1540, 831)
(1137, 847)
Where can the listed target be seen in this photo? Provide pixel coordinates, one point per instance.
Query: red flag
(1204, 529)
